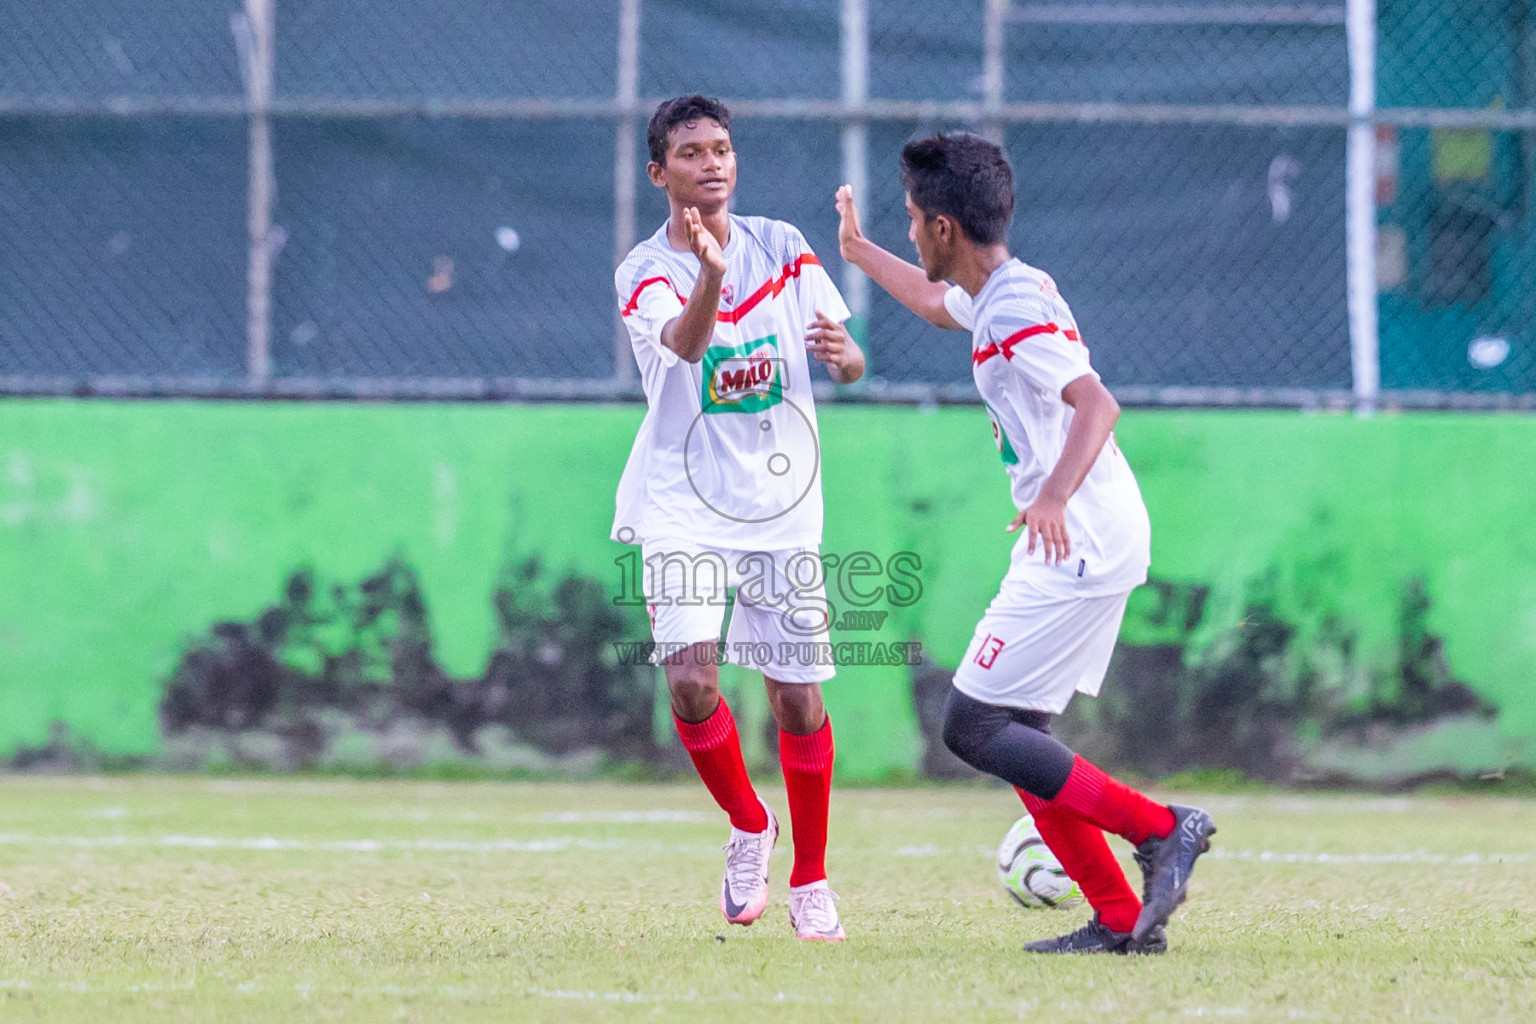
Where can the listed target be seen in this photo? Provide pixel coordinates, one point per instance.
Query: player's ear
(656, 173)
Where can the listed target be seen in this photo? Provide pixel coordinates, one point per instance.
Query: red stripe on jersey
(770, 288)
(634, 300)
(1005, 349)
(1013, 340)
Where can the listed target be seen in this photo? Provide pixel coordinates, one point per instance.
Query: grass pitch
(154, 899)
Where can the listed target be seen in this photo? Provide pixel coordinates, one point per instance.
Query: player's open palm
(703, 241)
(848, 229)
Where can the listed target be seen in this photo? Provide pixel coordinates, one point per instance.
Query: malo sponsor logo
(747, 378)
(752, 377)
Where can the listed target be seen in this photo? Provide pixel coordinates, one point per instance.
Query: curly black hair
(682, 110)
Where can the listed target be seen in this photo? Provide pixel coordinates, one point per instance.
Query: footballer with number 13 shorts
(1086, 544)
(723, 490)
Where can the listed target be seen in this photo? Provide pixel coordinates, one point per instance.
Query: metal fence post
(256, 39)
(627, 95)
(1360, 206)
(855, 139)
(992, 70)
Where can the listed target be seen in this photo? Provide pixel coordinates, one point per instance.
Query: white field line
(561, 844)
(1307, 805)
(1276, 856)
(641, 997)
(1415, 857)
(550, 844)
(1229, 1012)
(656, 817)
(305, 990)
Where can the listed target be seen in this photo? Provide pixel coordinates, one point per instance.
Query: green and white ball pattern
(1030, 872)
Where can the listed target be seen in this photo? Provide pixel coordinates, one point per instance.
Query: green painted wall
(127, 529)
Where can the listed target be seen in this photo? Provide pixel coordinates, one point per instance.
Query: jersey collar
(995, 280)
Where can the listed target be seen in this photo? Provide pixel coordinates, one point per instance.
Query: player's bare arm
(907, 282)
(830, 342)
(1095, 415)
(689, 333)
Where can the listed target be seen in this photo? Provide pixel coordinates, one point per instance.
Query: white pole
(992, 70)
(855, 138)
(1360, 206)
(261, 190)
(624, 136)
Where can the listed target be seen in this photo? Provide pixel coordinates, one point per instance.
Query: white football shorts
(1034, 649)
(779, 625)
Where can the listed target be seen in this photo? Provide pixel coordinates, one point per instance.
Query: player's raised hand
(1047, 522)
(848, 229)
(703, 241)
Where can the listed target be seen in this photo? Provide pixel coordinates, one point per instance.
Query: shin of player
(722, 489)
(1085, 541)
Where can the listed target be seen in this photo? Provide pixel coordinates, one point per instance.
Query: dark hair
(682, 110)
(964, 177)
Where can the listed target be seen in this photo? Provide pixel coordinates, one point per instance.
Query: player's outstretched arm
(830, 342)
(907, 282)
(1095, 413)
(689, 333)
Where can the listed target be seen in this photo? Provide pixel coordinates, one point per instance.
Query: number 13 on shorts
(988, 650)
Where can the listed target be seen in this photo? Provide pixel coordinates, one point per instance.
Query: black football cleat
(1166, 865)
(1095, 937)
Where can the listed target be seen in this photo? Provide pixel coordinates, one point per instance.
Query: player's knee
(797, 708)
(965, 732)
(695, 693)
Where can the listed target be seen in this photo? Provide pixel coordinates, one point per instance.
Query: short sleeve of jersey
(647, 302)
(1040, 350)
(958, 301)
(817, 292)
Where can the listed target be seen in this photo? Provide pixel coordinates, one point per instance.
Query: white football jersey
(1025, 349)
(728, 455)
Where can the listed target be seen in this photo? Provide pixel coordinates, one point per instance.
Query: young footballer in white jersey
(1051, 629)
(723, 489)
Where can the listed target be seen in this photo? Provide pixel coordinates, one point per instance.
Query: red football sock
(1112, 806)
(1084, 852)
(716, 751)
(807, 763)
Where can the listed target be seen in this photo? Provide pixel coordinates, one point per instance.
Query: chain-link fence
(1292, 202)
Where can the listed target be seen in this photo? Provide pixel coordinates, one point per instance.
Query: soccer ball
(1030, 871)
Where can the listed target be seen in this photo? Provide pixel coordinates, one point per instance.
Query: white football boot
(744, 890)
(813, 912)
